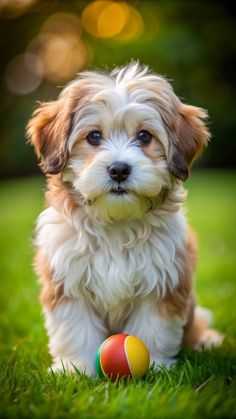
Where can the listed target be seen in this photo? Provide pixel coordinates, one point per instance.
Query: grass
(202, 385)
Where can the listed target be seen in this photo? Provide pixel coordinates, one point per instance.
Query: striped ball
(122, 355)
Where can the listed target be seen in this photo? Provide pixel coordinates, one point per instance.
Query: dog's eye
(144, 136)
(94, 138)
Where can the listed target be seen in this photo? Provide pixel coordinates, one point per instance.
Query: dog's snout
(119, 171)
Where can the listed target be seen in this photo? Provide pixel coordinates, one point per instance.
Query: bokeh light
(62, 57)
(12, 8)
(23, 74)
(59, 48)
(110, 19)
(62, 22)
(134, 27)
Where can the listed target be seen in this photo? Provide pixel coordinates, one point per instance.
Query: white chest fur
(112, 263)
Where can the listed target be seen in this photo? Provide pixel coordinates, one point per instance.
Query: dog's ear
(191, 136)
(48, 130)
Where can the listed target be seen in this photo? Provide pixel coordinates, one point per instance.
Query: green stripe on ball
(98, 362)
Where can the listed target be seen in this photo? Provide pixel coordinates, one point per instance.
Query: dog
(115, 253)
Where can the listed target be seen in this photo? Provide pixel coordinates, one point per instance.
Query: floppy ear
(190, 138)
(48, 130)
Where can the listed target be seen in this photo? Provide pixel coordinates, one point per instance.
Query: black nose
(119, 171)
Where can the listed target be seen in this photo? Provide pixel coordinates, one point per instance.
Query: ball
(122, 355)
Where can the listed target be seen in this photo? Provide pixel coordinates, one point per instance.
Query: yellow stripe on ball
(137, 356)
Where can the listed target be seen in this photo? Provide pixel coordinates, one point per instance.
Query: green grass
(202, 385)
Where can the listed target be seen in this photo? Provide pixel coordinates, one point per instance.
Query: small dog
(114, 250)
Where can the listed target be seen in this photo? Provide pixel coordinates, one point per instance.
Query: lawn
(203, 385)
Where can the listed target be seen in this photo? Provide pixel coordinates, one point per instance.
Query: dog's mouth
(119, 191)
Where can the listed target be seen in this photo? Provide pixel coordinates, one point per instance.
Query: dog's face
(120, 139)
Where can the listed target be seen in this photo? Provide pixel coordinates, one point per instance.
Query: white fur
(162, 337)
(119, 270)
(117, 261)
(75, 333)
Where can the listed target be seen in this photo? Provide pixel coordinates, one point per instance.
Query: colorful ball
(122, 355)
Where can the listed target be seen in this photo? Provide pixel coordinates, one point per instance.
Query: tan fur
(198, 335)
(49, 127)
(193, 330)
(85, 151)
(189, 138)
(179, 303)
(59, 195)
(46, 131)
(51, 293)
(192, 132)
(154, 151)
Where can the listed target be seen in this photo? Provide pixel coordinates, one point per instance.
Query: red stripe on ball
(113, 357)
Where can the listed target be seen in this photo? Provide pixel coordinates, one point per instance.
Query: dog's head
(121, 139)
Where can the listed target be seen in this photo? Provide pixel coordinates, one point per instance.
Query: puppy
(114, 250)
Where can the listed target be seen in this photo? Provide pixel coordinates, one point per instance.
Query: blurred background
(45, 43)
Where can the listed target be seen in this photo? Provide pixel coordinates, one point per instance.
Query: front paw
(163, 362)
(71, 367)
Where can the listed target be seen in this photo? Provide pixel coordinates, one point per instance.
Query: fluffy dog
(114, 250)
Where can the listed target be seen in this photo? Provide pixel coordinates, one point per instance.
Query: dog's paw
(163, 362)
(71, 367)
(209, 338)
